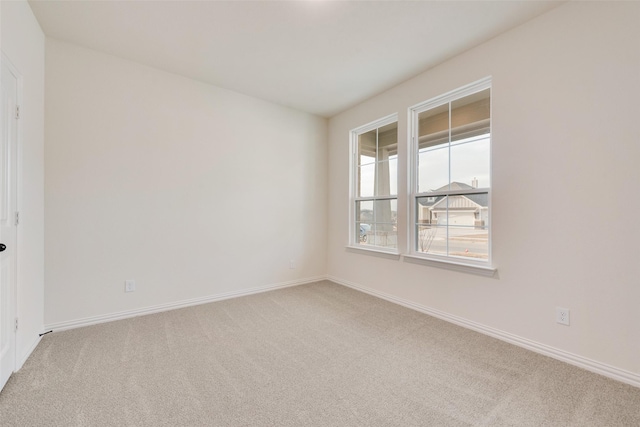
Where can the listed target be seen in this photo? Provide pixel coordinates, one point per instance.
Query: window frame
(353, 243)
(414, 194)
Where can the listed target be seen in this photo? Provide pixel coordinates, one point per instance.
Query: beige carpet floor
(311, 355)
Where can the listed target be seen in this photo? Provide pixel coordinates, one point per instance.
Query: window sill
(451, 265)
(373, 251)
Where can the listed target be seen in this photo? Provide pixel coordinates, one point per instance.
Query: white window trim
(353, 147)
(375, 251)
(449, 262)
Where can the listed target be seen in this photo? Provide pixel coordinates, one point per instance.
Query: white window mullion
(449, 146)
(447, 208)
(375, 136)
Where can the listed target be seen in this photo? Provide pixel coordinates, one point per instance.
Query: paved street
(464, 242)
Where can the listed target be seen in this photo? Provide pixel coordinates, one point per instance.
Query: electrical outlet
(129, 285)
(562, 316)
(292, 264)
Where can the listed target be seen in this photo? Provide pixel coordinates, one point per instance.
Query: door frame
(15, 186)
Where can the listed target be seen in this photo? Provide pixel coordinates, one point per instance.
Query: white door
(8, 163)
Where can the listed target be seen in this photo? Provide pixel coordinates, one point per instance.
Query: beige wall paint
(189, 189)
(565, 177)
(23, 42)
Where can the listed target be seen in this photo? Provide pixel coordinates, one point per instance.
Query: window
(451, 176)
(374, 189)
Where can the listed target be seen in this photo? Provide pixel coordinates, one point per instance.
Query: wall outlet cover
(562, 316)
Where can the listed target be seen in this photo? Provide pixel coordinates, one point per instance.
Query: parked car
(364, 230)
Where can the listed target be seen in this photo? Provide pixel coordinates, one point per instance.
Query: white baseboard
(94, 320)
(21, 360)
(564, 356)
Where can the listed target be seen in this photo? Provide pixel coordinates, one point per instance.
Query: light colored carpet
(312, 355)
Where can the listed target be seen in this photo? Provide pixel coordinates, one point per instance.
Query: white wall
(22, 41)
(189, 189)
(566, 147)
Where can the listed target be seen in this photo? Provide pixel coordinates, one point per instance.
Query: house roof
(480, 199)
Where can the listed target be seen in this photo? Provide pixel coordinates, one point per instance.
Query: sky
(470, 158)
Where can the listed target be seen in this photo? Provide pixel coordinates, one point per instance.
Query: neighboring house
(462, 210)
